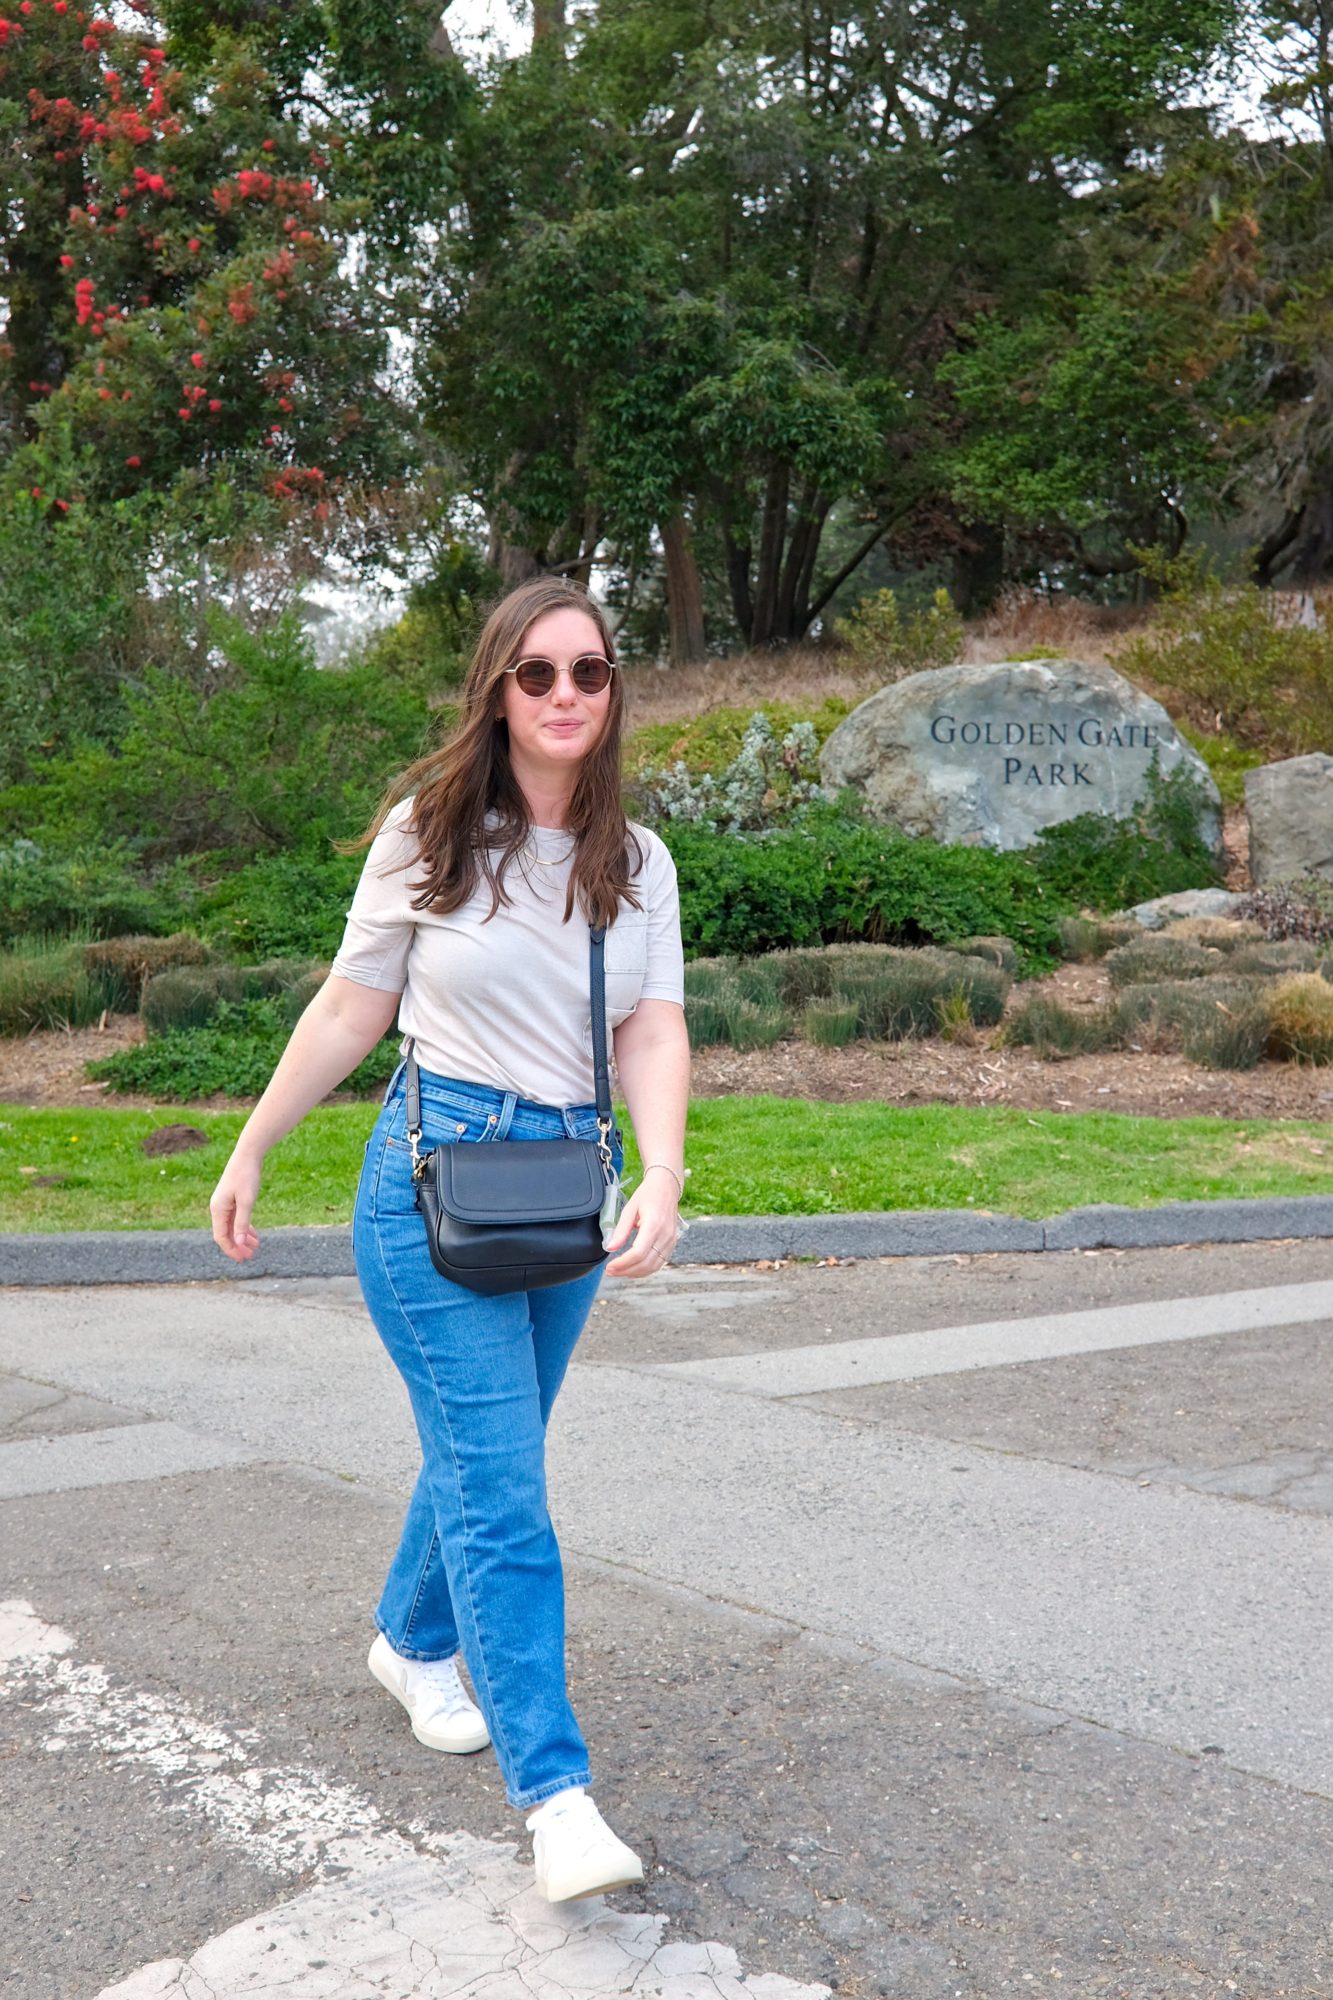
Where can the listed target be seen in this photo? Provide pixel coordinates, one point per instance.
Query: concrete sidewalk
(941, 1629)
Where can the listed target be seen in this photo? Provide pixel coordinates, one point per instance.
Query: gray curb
(180, 1256)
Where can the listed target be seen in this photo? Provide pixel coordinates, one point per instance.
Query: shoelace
(441, 1677)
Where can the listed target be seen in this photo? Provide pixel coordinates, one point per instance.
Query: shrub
(837, 878)
(1229, 934)
(1283, 955)
(92, 890)
(1236, 665)
(884, 992)
(276, 756)
(1085, 939)
(44, 983)
(281, 906)
(1300, 1012)
(768, 781)
(1157, 955)
(1056, 1031)
(1221, 1023)
(994, 950)
(1108, 864)
(234, 1055)
(188, 996)
(878, 635)
(1299, 908)
(128, 963)
(712, 741)
(830, 1024)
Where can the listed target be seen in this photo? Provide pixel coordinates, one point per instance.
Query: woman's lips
(564, 728)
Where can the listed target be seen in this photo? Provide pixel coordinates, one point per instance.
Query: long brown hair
(470, 776)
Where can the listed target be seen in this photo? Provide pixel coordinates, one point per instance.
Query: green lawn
(748, 1155)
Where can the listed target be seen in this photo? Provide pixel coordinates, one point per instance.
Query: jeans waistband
(483, 1097)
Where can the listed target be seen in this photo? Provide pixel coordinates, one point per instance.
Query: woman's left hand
(652, 1210)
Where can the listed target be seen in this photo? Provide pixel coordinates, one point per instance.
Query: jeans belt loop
(500, 1130)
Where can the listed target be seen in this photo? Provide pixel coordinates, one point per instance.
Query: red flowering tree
(178, 257)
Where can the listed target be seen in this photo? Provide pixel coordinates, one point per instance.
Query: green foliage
(1220, 1023)
(88, 889)
(877, 635)
(838, 993)
(1230, 656)
(234, 1055)
(44, 983)
(132, 961)
(1056, 1031)
(1227, 760)
(188, 996)
(769, 782)
(834, 878)
(1084, 939)
(1108, 864)
(1158, 955)
(711, 741)
(275, 756)
(281, 906)
(1300, 1017)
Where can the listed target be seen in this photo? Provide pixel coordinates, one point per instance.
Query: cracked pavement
(1007, 1679)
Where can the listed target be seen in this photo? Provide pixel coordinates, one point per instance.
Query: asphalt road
(942, 1628)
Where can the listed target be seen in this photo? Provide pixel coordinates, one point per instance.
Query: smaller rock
(1289, 806)
(173, 1139)
(1185, 903)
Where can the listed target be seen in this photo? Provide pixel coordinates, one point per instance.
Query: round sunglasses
(590, 673)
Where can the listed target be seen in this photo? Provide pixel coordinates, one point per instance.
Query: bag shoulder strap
(600, 1067)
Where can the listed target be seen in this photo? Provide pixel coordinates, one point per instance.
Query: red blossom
(63, 505)
(194, 244)
(134, 459)
(36, 492)
(67, 261)
(214, 403)
(197, 359)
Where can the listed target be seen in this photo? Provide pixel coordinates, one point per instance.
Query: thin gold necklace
(530, 853)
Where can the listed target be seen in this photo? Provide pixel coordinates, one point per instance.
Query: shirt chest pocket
(626, 963)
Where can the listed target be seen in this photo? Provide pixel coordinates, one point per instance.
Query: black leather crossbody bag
(517, 1216)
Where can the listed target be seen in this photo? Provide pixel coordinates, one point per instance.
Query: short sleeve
(664, 971)
(381, 924)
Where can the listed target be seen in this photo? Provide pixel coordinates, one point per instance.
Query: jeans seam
(433, 1544)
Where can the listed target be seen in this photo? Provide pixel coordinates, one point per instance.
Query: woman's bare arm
(338, 1029)
(653, 1059)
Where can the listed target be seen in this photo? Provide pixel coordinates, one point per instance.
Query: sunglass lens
(535, 677)
(591, 674)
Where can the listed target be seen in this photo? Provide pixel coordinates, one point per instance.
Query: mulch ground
(47, 1068)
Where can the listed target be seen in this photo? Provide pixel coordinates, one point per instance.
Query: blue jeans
(478, 1565)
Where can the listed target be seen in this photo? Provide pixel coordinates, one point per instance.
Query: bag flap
(529, 1180)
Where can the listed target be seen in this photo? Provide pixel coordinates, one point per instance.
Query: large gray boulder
(1290, 809)
(989, 755)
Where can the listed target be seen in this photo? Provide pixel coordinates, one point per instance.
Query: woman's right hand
(231, 1207)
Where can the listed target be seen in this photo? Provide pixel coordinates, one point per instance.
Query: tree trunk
(978, 568)
(764, 625)
(738, 583)
(685, 603)
(548, 21)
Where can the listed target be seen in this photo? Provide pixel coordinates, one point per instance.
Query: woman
(470, 924)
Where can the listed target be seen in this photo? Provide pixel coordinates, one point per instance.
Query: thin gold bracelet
(666, 1170)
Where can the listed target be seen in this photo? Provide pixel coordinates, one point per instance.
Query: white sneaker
(444, 1716)
(575, 1851)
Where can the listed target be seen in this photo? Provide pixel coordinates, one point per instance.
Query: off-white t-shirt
(506, 1002)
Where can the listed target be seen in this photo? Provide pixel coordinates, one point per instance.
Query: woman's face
(555, 731)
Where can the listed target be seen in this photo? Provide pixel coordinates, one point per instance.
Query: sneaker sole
(601, 1888)
(479, 1739)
